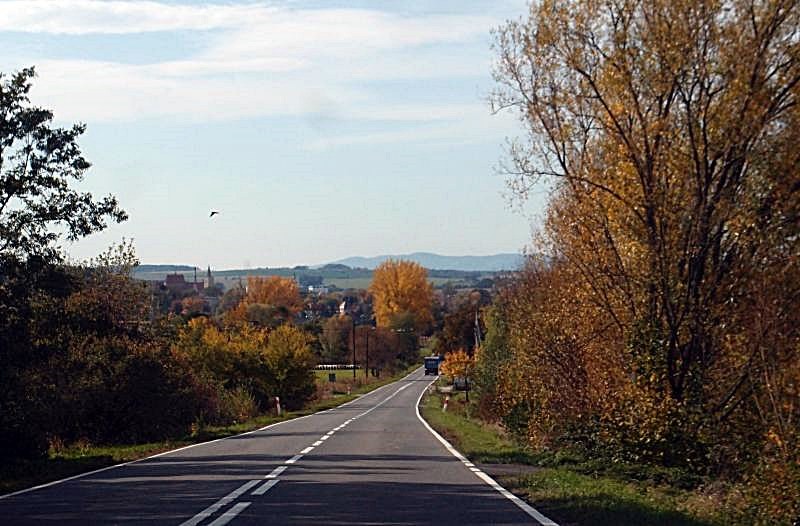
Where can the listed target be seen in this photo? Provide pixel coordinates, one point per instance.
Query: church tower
(209, 279)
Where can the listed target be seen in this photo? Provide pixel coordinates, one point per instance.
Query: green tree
(39, 162)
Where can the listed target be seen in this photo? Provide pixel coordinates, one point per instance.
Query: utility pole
(354, 346)
(366, 364)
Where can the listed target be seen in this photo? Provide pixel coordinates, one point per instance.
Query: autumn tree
(268, 301)
(459, 364)
(274, 290)
(669, 124)
(244, 361)
(401, 287)
(668, 132)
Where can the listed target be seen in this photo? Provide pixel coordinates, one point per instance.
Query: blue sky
(320, 129)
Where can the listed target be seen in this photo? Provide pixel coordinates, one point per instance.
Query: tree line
(664, 325)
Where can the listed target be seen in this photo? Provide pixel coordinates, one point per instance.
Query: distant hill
(163, 268)
(492, 263)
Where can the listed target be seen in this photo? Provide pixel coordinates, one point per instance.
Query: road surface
(372, 461)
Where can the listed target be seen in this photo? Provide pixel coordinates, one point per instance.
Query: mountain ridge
(429, 260)
(432, 261)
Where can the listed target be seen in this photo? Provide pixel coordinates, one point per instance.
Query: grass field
(567, 488)
(341, 374)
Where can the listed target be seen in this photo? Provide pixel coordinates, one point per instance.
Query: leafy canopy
(37, 164)
(401, 287)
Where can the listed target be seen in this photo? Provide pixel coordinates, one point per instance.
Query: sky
(319, 129)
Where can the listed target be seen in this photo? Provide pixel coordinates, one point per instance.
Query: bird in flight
(213, 213)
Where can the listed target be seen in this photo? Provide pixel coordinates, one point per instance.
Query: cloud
(259, 61)
(472, 125)
(79, 17)
(274, 27)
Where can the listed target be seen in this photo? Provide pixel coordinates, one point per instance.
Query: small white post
(446, 401)
(278, 405)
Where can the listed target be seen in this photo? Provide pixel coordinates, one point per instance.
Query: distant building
(209, 279)
(177, 283)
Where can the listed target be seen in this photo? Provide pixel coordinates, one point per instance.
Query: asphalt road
(372, 461)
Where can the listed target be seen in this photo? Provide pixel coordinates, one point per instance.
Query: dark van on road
(432, 365)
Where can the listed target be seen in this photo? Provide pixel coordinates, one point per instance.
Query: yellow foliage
(665, 325)
(401, 287)
(458, 364)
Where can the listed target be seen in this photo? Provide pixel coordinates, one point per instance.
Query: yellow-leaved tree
(459, 364)
(269, 301)
(663, 325)
(401, 288)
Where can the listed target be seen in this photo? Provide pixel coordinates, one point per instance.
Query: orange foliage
(274, 290)
(268, 298)
(458, 364)
(664, 326)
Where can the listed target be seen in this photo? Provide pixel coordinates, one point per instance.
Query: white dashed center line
(272, 476)
(293, 459)
(264, 487)
(275, 472)
(224, 501)
(228, 516)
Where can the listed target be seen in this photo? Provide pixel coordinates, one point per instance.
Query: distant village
(189, 292)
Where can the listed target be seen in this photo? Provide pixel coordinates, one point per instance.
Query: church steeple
(209, 279)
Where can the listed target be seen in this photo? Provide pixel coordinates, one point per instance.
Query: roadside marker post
(278, 405)
(446, 401)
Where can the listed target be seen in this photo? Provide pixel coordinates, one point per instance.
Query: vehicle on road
(432, 365)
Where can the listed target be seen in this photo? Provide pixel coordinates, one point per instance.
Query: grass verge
(81, 457)
(570, 489)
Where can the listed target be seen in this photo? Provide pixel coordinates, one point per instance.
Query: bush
(235, 405)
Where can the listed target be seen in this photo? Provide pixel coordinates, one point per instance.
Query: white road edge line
(224, 501)
(524, 506)
(228, 516)
(264, 487)
(81, 475)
